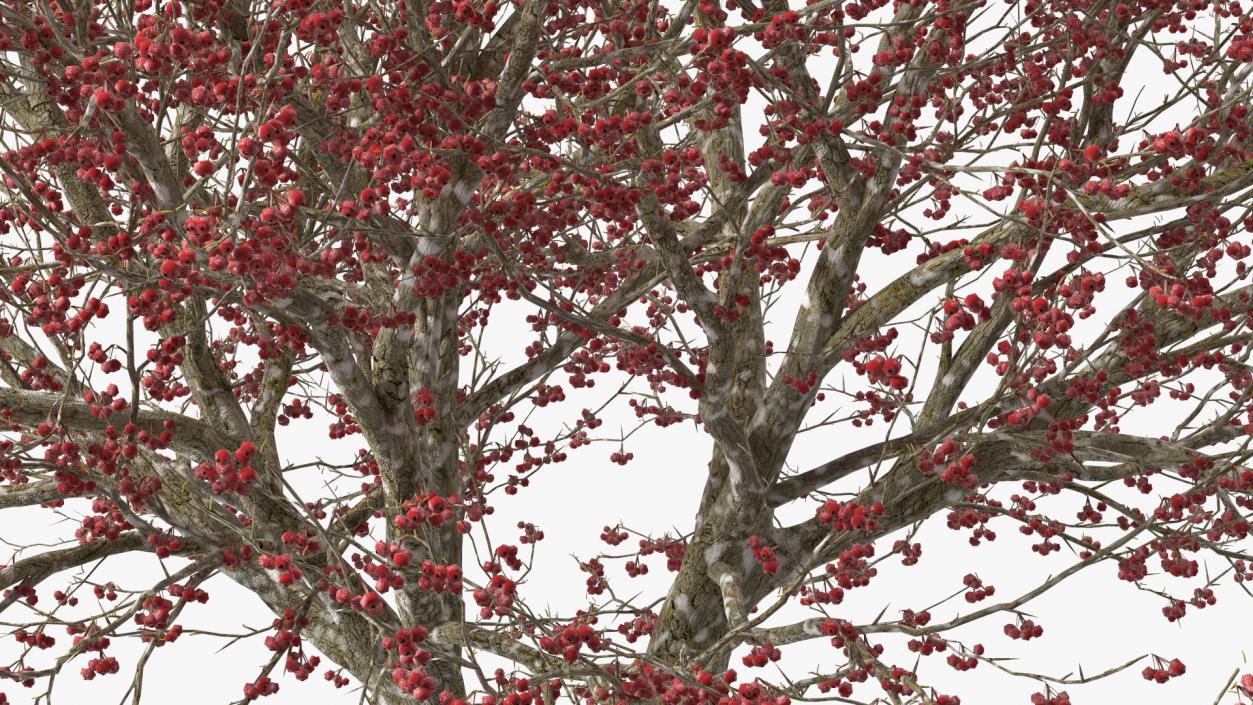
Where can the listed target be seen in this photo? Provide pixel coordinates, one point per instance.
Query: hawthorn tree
(964, 246)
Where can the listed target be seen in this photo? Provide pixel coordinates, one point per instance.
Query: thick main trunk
(694, 616)
(428, 609)
(437, 471)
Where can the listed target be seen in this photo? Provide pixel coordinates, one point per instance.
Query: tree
(955, 242)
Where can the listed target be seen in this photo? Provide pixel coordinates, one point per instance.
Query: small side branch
(460, 634)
